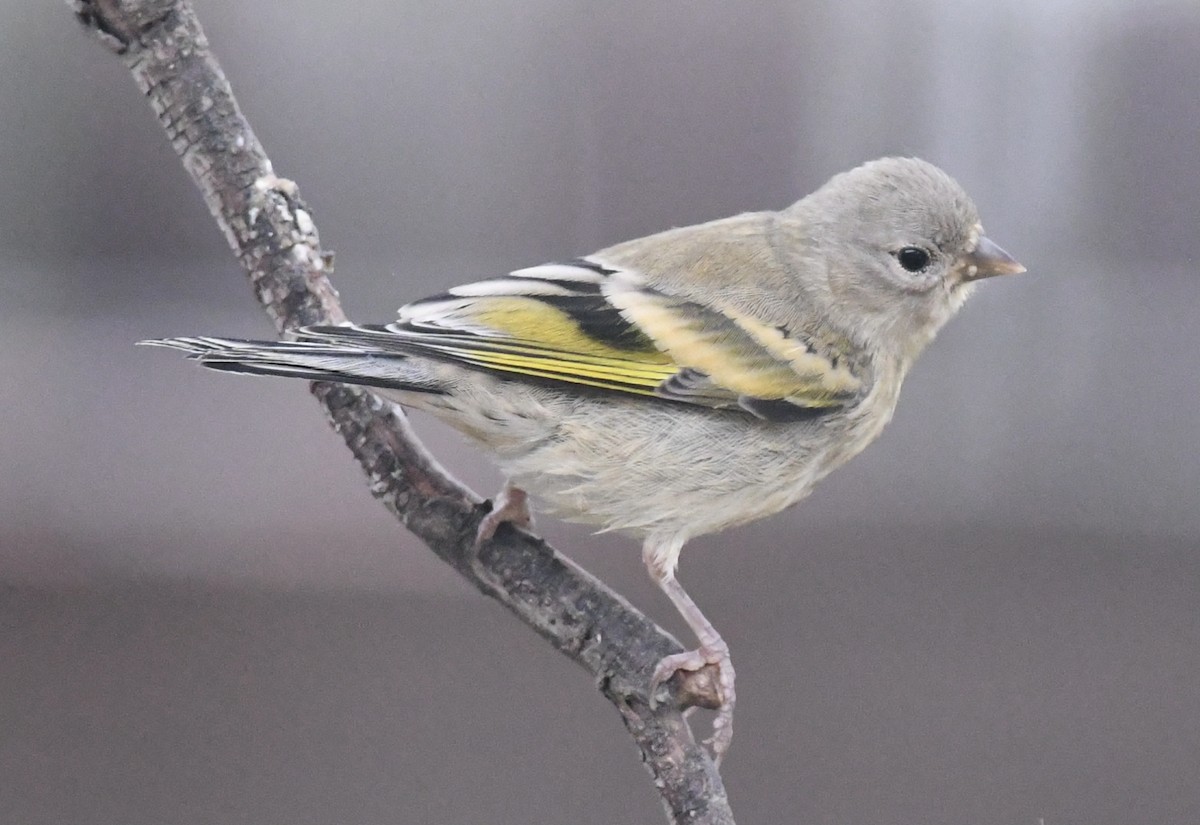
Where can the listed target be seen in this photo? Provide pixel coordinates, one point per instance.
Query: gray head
(908, 247)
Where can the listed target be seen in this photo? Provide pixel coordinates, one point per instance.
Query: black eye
(913, 258)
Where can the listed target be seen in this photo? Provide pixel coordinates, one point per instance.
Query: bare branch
(271, 231)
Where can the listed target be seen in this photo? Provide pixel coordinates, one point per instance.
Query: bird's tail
(314, 360)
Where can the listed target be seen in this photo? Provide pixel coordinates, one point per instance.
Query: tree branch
(271, 231)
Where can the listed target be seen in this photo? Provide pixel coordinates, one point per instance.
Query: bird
(682, 383)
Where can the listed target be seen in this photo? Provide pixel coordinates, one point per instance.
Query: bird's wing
(590, 324)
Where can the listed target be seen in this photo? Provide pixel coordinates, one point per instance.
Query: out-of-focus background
(990, 617)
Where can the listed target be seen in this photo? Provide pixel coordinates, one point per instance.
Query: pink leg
(712, 650)
(510, 505)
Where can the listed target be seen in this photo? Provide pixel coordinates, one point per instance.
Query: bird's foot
(510, 506)
(691, 661)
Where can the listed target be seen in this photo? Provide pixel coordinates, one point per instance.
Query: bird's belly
(647, 468)
(665, 508)
(684, 473)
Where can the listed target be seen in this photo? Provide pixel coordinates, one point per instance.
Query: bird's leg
(660, 561)
(510, 505)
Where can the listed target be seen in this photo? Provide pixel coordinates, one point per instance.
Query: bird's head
(903, 246)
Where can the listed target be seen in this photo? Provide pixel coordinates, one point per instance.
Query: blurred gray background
(989, 617)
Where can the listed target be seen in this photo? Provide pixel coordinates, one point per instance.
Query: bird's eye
(913, 258)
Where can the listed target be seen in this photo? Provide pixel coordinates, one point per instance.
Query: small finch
(681, 383)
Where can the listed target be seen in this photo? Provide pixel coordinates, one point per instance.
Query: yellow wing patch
(739, 354)
(533, 320)
(530, 335)
(566, 367)
(817, 375)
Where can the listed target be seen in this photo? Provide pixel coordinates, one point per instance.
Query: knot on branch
(119, 24)
(697, 688)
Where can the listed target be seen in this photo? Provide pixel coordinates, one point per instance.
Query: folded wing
(592, 325)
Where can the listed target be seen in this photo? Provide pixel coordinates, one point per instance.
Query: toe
(511, 505)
